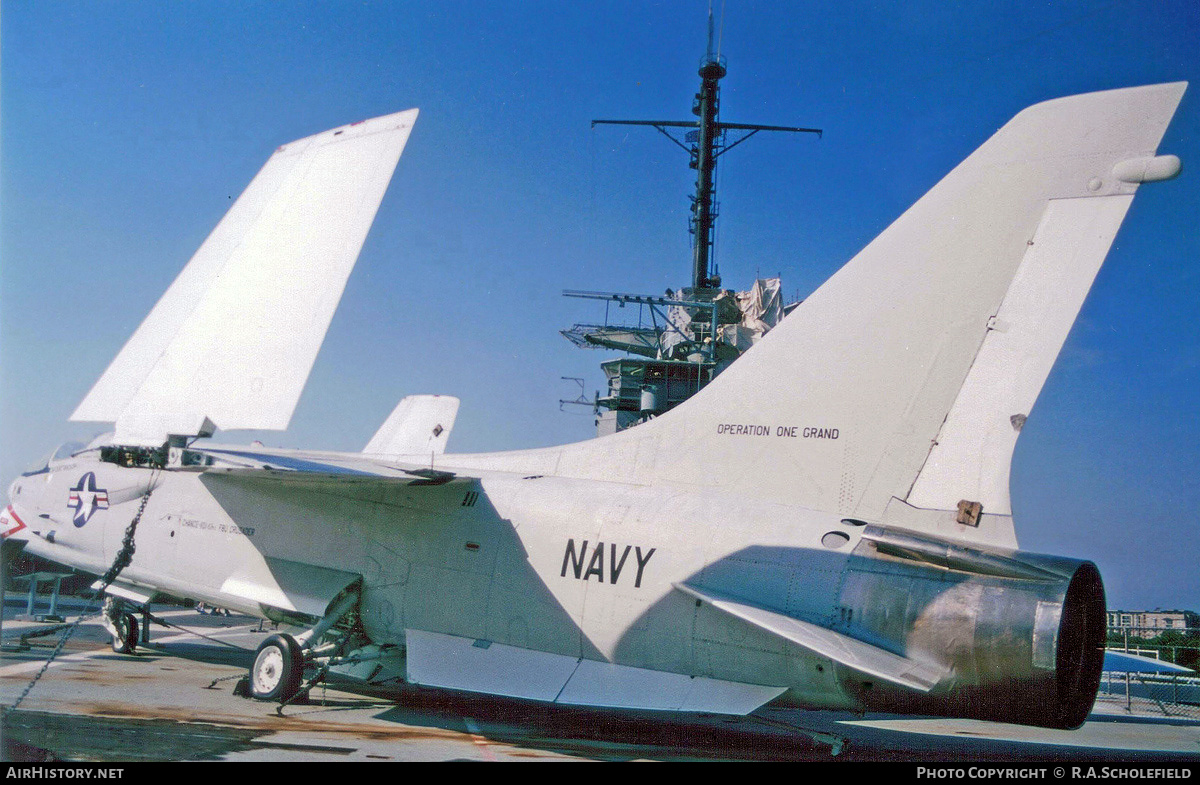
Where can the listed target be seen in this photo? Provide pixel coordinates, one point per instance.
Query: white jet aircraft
(825, 525)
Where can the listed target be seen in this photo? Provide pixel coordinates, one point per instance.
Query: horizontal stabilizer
(235, 336)
(419, 425)
(851, 652)
(940, 553)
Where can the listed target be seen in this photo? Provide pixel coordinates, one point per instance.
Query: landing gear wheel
(125, 641)
(277, 670)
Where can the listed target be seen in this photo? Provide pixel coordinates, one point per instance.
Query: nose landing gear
(121, 625)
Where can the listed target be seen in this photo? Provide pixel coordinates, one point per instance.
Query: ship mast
(707, 143)
(687, 344)
(704, 161)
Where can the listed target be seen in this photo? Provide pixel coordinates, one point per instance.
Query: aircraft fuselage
(577, 571)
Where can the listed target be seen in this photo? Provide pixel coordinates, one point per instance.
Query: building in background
(1151, 624)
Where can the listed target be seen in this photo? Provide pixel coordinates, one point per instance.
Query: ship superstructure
(684, 338)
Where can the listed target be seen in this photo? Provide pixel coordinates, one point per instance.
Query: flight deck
(174, 700)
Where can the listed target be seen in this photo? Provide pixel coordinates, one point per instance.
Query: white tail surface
(235, 336)
(940, 332)
(418, 426)
(972, 453)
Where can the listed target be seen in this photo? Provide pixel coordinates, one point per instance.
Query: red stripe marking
(15, 517)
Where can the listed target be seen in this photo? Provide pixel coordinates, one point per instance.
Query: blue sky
(126, 129)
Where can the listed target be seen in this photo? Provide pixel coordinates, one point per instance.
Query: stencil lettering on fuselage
(606, 565)
(788, 431)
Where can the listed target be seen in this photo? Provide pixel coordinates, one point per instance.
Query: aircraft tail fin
(419, 425)
(904, 380)
(232, 341)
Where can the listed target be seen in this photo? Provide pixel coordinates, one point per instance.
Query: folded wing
(233, 339)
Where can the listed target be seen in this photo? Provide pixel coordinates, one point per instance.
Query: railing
(1161, 694)
(1177, 646)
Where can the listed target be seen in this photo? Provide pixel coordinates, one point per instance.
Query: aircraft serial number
(218, 527)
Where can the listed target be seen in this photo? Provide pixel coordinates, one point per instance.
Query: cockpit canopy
(60, 453)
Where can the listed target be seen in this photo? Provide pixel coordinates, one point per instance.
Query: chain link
(191, 631)
(319, 677)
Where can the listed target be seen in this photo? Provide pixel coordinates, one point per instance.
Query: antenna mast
(705, 144)
(704, 161)
(686, 344)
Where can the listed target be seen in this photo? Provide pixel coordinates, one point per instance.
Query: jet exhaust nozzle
(1019, 635)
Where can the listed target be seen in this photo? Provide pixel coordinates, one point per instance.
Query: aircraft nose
(12, 526)
(12, 522)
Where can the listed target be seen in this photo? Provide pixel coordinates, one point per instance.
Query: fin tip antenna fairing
(233, 339)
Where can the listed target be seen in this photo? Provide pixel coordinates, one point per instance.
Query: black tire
(125, 641)
(277, 669)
